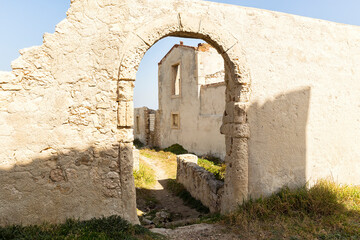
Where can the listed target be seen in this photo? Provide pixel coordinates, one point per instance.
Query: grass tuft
(112, 227)
(324, 211)
(144, 177)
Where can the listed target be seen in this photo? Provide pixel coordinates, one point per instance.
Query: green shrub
(138, 144)
(176, 149)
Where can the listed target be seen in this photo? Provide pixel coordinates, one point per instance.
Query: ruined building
(292, 115)
(191, 102)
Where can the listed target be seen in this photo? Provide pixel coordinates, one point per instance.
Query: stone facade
(201, 74)
(66, 112)
(201, 184)
(146, 125)
(199, 105)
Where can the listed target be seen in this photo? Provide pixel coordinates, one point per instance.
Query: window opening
(176, 79)
(175, 120)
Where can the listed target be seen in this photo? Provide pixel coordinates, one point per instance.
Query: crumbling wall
(200, 105)
(201, 184)
(146, 126)
(64, 152)
(141, 123)
(291, 113)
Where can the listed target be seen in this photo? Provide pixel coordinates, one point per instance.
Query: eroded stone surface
(201, 184)
(66, 99)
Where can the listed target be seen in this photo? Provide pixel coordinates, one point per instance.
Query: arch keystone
(189, 23)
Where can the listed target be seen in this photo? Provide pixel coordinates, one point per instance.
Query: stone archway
(77, 89)
(237, 78)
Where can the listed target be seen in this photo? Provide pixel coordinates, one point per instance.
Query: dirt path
(198, 232)
(174, 205)
(167, 201)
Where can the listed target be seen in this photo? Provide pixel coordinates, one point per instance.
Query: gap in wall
(179, 98)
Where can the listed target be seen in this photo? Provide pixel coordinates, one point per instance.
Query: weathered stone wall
(146, 126)
(66, 114)
(200, 183)
(141, 124)
(154, 136)
(200, 104)
(210, 105)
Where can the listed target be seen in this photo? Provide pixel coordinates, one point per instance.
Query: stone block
(201, 184)
(124, 135)
(125, 90)
(6, 77)
(125, 114)
(240, 115)
(236, 130)
(187, 158)
(10, 87)
(189, 23)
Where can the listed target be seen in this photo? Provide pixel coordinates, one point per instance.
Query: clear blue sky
(23, 23)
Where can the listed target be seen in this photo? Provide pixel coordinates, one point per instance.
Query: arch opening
(234, 122)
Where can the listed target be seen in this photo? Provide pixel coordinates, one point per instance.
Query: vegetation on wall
(210, 163)
(218, 169)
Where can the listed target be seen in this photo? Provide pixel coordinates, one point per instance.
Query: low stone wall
(201, 184)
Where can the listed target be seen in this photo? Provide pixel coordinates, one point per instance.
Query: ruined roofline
(203, 47)
(216, 84)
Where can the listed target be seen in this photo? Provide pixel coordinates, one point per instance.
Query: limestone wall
(141, 120)
(200, 104)
(146, 126)
(212, 99)
(303, 114)
(201, 184)
(66, 113)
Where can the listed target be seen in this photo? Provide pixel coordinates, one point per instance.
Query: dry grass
(167, 160)
(325, 211)
(144, 177)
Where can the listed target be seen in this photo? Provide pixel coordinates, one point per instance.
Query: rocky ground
(201, 231)
(169, 210)
(166, 207)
